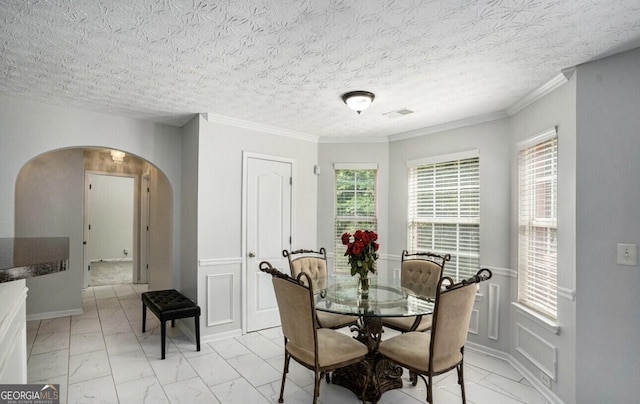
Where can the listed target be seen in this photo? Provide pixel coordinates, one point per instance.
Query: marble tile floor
(102, 356)
(110, 273)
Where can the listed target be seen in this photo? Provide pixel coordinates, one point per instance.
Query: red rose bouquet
(362, 251)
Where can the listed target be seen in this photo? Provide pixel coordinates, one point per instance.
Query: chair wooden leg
(285, 370)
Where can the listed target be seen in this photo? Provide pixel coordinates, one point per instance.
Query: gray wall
(491, 139)
(531, 341)
(189, 213)
(608, 197)
(219, 210)
(29, 129)
(49, 202)
(164, 249)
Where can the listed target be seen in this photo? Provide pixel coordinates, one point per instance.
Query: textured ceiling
(285, 63)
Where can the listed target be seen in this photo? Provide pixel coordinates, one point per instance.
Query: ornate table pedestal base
(378, 373)
(381, 376)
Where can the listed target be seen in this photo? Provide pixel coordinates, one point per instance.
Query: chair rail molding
(506, 272)
(210, 262)
(567, 293)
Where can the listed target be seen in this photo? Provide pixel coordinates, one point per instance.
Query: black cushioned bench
(170, 305)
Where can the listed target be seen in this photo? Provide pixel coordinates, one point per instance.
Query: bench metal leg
(144, 316)
(163, 336)
(197, 318)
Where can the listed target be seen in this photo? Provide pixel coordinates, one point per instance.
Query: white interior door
(268, 232)
(110, 228)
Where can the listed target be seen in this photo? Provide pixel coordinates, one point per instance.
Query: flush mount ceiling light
(358, 100)
(117, 156)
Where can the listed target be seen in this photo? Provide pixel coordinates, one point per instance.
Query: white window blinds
(537, 220)
(444, 210)
(355, 206)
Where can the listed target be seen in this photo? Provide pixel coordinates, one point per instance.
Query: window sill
(541, 320)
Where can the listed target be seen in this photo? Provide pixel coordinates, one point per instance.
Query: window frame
(341, 264)
(538, 262)
(453, 268)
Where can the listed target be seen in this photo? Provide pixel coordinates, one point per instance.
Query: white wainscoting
(494, 311)
(13, 333)
(537, 350)
(219, 297)
(474, 322)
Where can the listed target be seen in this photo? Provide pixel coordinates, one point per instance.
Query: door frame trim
(135, 230)
(246, 156)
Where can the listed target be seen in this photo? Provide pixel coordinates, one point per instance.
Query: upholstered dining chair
(314, 264)
(321, 350)
(431, 354)
(420, 272)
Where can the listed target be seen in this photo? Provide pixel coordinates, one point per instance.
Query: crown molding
(540, 92)
(354, 139)
(241, 123)
(521, 104)
(474, 120)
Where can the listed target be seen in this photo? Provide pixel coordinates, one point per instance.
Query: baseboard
(54, 314)
(113, 260)
(535, 382)
(190, 333)
(531, 378)
(220, 336)
(487, 351)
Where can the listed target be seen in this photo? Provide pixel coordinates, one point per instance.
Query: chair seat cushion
(412, 350)
(405, 323)
(331, 320)
(333, 348)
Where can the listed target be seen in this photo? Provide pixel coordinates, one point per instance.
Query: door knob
(251, 255)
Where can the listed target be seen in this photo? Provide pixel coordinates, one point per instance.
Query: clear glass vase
(363, 286)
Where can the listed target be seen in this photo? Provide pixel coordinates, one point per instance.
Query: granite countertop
(26, 257)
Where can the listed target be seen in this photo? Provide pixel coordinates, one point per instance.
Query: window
(444, 210)
(537, 222)
(355, 205)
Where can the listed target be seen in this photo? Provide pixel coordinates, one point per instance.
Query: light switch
(627, 254)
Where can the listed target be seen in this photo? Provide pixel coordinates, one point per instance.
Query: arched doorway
(50, 201)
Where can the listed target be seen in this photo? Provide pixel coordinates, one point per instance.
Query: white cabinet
(13, 332)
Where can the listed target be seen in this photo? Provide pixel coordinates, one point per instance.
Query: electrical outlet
(545, 379)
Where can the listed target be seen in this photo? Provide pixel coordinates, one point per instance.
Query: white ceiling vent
(398, 113)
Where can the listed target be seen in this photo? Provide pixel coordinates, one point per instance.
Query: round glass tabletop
(341, 295)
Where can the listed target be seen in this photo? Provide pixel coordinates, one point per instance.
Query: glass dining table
(341, 294)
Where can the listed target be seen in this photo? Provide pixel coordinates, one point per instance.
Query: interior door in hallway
(268, 232)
